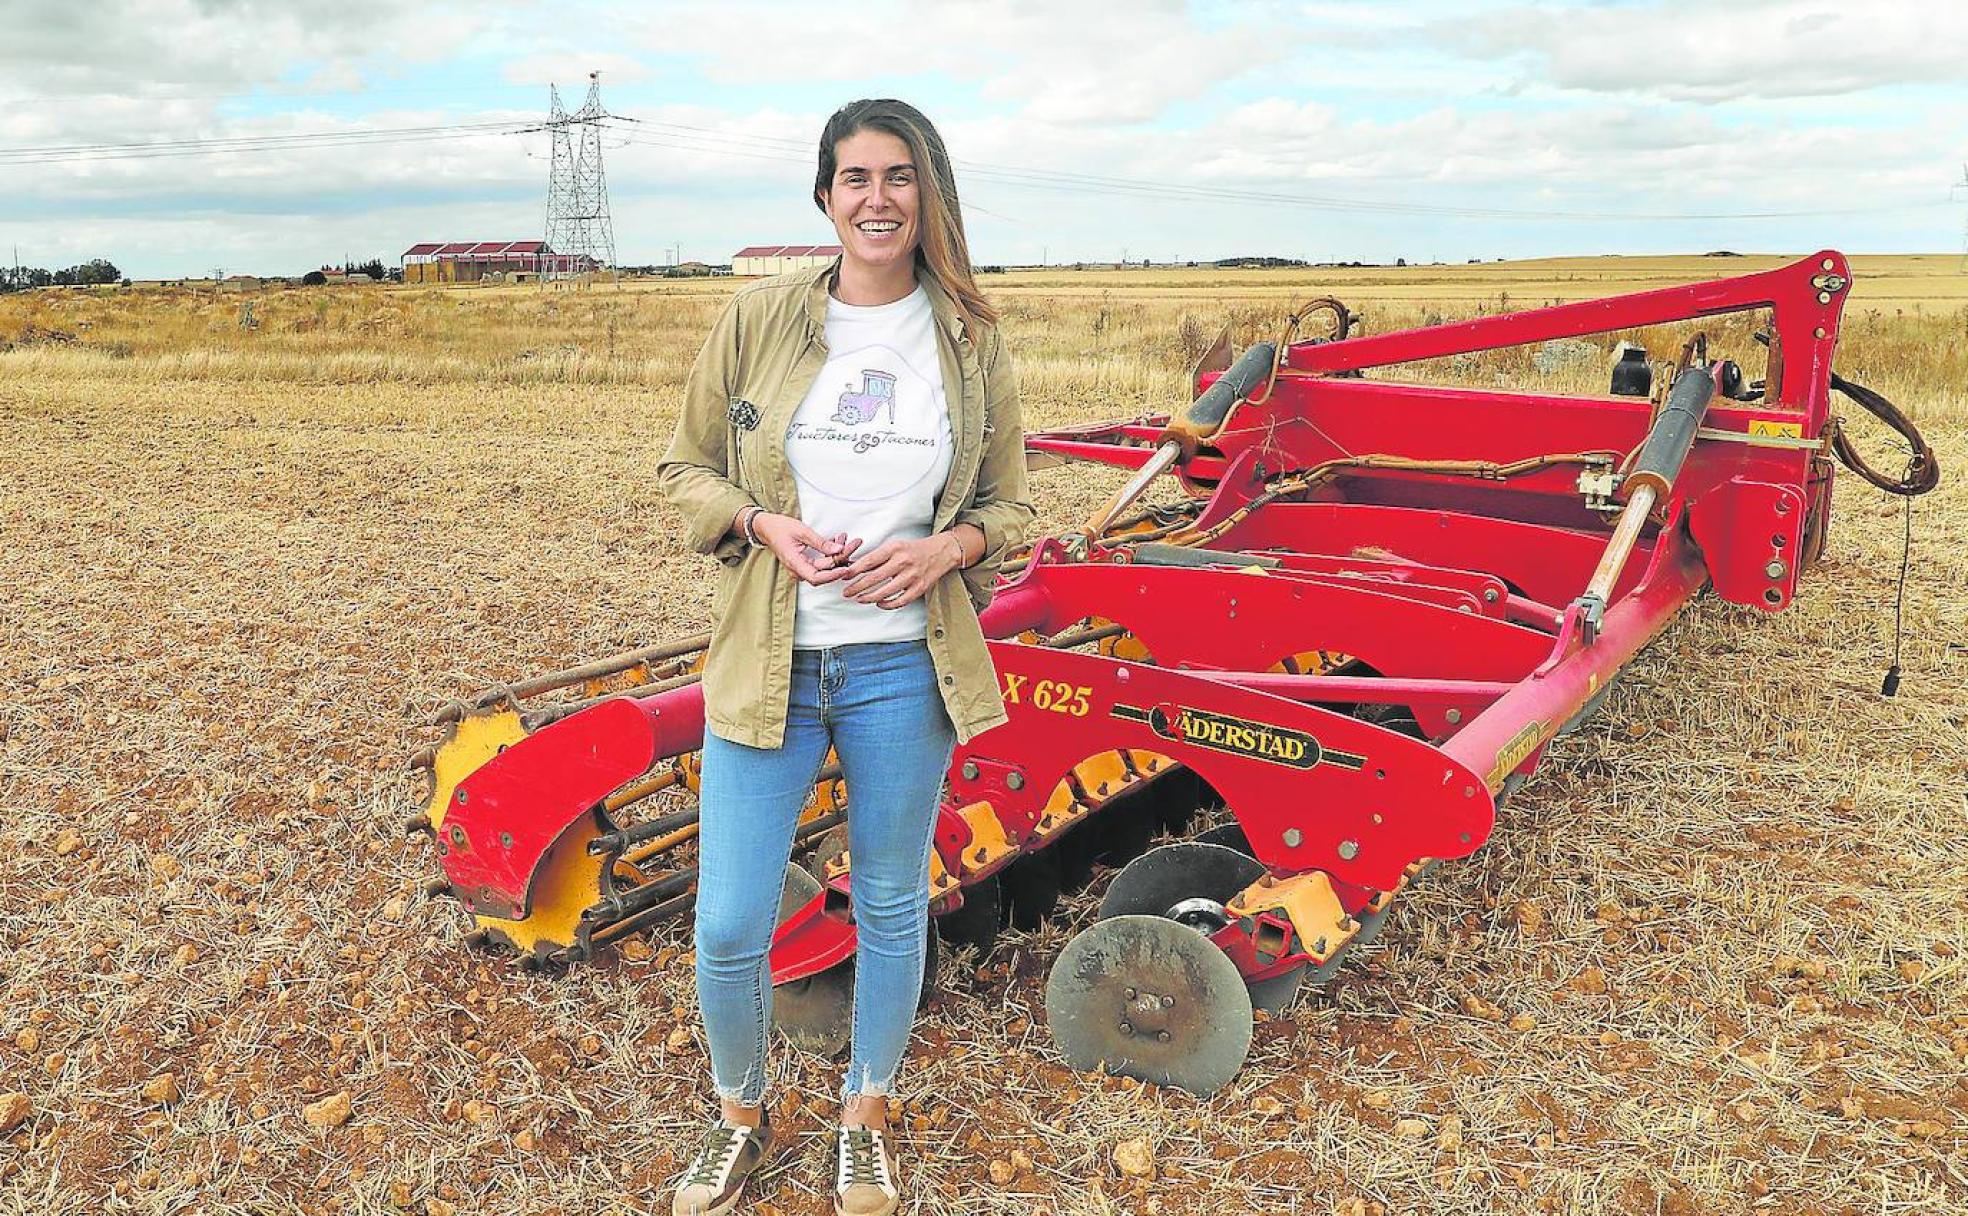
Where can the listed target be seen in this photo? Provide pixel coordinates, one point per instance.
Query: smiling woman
(884, 179)
(851, 449)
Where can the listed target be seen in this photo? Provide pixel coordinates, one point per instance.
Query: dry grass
(1723, 928)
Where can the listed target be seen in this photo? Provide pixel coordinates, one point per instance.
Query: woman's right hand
(813, 558)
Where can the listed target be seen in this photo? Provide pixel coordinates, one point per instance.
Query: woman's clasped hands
(891, 575)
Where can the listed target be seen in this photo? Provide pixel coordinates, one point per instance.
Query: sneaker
(865, 1183)
(716, 1180)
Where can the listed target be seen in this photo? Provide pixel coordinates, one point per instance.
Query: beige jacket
(761, 358)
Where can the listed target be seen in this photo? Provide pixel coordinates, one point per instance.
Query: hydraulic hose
(1923, 471)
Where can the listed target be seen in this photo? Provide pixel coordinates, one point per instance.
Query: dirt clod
(14, 1111)
(331, 1111)
(1135, 1158)
(1527, 915)
(1786, 966)
(480, 1114)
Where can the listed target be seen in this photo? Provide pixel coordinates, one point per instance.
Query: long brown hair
(944, 251)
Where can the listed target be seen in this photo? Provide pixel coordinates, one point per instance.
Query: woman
(850, 448)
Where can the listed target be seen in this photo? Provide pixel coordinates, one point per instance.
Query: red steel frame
(1455, 598)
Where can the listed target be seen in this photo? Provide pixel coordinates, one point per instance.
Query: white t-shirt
(869, 449)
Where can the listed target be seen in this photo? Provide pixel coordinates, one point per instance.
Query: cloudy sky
(1083, 129)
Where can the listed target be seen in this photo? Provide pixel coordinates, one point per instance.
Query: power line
(704, 140)
(213, 145)
(762, 147)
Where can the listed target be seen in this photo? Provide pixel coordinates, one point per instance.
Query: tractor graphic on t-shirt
(877, 390)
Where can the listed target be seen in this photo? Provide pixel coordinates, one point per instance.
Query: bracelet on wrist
(962, 558)
(746, 519)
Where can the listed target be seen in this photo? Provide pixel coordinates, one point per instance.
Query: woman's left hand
(900, 572)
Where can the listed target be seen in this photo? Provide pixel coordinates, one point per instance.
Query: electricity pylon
(577, 190)
(1959, 186)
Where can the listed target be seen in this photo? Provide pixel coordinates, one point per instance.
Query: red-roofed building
(473, 261)
(781, 259)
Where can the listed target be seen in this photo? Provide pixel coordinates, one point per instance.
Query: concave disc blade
(976, 923)
(1179, 793)
(1275, 995)
(1126, 824)
(1146, 997)
(1161, 878)
(815, 1014)
(1371, 923)
(799, 887)
(831, 845)
(1075, 849)
(1030, 889)
(1229, 835)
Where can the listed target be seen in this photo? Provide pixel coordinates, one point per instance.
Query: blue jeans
(878, 705)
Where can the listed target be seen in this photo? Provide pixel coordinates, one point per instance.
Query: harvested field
(1712, 960)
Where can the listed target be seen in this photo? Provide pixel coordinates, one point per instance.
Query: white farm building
(782, 259)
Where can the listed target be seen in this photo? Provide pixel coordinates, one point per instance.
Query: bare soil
(1711, 961)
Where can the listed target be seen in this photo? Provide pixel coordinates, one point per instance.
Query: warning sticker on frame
(1238, 736)
(1774, 428)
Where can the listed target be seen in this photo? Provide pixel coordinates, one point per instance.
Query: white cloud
(137, 47)
(1377, 103)
(1700, 51)
(569, 70)
(1096, 61)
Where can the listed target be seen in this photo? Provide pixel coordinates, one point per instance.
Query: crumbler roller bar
(1376, 605)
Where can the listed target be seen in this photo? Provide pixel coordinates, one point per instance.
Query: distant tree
(24, 278)
(314, 278)
(90, 273)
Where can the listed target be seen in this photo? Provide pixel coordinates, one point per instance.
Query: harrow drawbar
(1376, 607)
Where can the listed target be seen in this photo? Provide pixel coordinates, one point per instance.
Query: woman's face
(873, 200)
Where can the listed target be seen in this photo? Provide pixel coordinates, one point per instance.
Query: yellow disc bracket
(474, 739)
(1308, 902)
(566, 883)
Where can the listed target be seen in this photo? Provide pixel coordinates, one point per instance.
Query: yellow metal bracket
(1308, 902)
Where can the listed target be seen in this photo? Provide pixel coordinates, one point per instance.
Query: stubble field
(1710, 962)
